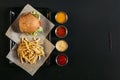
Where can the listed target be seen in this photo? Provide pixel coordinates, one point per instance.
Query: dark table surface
(91, 57)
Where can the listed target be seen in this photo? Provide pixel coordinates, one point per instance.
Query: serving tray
(14, 12)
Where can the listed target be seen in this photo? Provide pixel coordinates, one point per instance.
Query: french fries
(30, 51)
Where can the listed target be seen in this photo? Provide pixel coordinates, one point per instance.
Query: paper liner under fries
(31, 68)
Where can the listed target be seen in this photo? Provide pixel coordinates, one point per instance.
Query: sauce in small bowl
(61, 17)
(61, 59)
(61, 45)
(61, 31)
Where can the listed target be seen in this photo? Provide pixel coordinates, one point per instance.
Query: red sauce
(61, 31)
(61, 60)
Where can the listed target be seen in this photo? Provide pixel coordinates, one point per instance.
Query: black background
(90, 57)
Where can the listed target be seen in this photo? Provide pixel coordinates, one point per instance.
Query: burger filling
(40, 29)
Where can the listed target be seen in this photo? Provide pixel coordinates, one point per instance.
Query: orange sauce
(61, 17)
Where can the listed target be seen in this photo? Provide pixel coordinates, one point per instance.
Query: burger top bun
(28, 23)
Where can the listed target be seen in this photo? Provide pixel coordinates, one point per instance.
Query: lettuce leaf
(37, 31)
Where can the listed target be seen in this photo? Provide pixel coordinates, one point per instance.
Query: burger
(30, 23)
